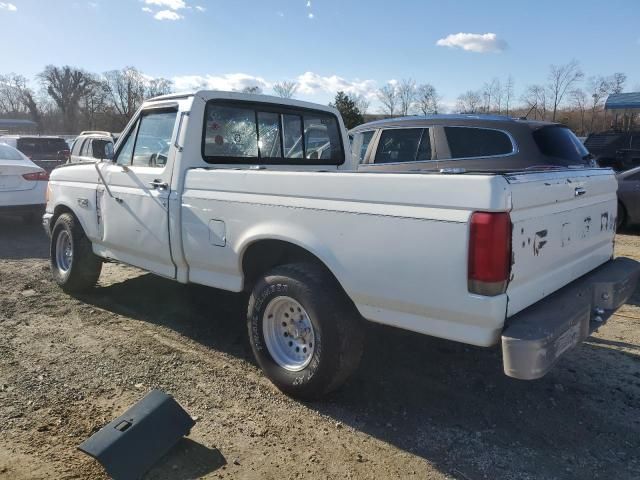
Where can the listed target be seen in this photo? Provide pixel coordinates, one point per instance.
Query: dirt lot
(418, 407)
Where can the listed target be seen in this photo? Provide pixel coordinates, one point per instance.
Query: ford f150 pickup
(258, 194)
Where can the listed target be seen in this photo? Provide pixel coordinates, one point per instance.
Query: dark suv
(469, 142)
(45, 151)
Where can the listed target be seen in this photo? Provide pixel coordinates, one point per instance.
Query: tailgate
(563, 227)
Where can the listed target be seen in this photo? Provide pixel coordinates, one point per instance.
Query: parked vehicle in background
(47, 152)
(258, 194)
(618, 150)
(629, 197)
(22, 185)
(471, 142)
(91, 146)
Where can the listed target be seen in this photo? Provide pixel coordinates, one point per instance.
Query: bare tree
(535, 100)
(11, 98)
(362, 103)
(66, 86)
(508, 92)
(561, 79)
(406, 95)
(617, 82)
(427, 99)
(126, 90)
(579, 102)
(491, 94)
(469, 102)
(388, 96)
(158, 86)
(599, 88)
(30, 103)
(285, 89)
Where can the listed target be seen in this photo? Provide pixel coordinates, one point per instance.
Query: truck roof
(457, 119)
(247, 97)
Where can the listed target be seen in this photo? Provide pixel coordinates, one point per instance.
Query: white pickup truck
(258, 194)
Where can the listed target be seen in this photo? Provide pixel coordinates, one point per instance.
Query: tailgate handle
(580, 191)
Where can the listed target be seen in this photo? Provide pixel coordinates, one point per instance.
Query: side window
(467, 142)
(124, 154)
(148, 142)
(246, 132)
(77, 147)
(404, 145)
(86, 148)
(359, 145)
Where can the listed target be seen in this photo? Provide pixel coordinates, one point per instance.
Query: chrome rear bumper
(534, 339)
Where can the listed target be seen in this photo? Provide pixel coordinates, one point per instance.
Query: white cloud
(92, 5)
(229, 81)
(280, 14)
(308, 3)
(10, 7)
(311, 83)
(311, 16)
(146, 9)
(167, 15)
(200, 8)
(170, 4)
(474, 42)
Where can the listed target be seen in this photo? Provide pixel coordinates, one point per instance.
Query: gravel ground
(418, 407)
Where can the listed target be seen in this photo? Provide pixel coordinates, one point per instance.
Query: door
(134, 217)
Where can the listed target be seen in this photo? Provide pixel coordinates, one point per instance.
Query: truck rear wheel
(73, 264)
(304, 332)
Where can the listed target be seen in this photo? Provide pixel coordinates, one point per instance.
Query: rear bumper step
(536, 338)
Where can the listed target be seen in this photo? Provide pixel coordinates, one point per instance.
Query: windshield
(8, 153)
(560, 142)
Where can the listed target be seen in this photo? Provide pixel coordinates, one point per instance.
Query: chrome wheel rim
(288, 333)
(64, 252)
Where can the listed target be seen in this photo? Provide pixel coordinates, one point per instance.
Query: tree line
(68, 99)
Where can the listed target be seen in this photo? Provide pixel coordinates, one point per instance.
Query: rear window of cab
(243, 132)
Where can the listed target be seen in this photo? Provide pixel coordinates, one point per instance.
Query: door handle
(159, 184)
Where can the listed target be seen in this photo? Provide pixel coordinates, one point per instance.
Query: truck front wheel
(304, 332)
(73, 264)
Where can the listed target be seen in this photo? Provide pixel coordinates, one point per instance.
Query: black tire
(85, 267)
(336, 324)
(621, 218)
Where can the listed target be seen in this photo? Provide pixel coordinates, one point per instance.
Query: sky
(325, 45)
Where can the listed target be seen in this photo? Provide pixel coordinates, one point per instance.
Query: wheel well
(266, 254)
(59, 210)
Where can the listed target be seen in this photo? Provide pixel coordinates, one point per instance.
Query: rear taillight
(36, 176)
(489, 253)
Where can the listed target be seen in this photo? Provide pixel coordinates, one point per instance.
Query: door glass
(269, 135)
(399, 145)
(124, 154)
(86, 148)
(360, 144)
(424, 149)
(154, 139)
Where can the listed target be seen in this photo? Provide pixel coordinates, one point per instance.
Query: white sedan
(23, 185)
